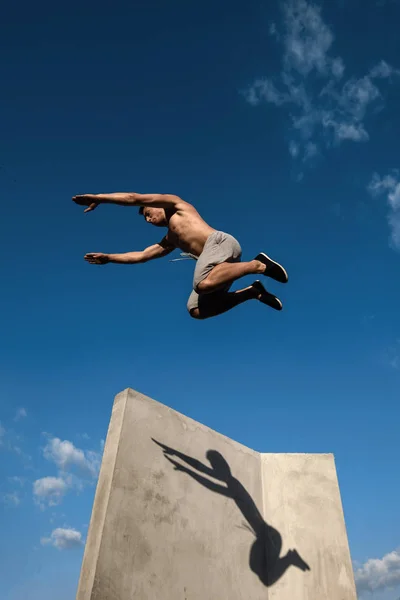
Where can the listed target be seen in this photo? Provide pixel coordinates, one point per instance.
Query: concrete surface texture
(182, 512)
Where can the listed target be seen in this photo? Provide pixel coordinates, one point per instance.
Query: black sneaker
(272, 268)
(266, 297)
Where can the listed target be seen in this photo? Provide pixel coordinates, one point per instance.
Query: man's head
(155, 216)
(219, 464)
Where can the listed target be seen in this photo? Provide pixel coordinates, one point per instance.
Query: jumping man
(218, 254)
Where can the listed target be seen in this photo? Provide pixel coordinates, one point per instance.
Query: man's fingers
(94, 258)
(80, 199)
(86, 200)
(91, 207)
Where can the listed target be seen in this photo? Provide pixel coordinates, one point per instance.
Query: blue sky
(279, 122)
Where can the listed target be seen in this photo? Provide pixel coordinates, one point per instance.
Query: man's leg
(219, 265)
(226, 273)
(211, 305)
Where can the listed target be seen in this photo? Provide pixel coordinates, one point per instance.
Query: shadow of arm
(193, 462)
(210, 485)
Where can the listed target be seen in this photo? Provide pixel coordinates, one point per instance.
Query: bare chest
(177, 234)
(188, 232)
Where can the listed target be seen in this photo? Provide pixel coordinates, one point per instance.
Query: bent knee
(204, 287)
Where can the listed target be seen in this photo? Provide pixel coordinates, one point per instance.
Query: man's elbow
(144, 257)
(151, 253)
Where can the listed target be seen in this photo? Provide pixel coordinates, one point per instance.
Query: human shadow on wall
(264, 560)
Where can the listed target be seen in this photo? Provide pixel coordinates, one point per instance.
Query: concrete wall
(184, 513)
(302, 500)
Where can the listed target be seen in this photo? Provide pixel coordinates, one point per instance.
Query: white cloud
(11, 499)
(20, 414)
(323, 109)
(66, 456)
(307, 39)
(63, 539)
(49, 490)
(345, 130)
(351, 131)
(379, 574)
(356, 95)
(389, 186)
(380, 184)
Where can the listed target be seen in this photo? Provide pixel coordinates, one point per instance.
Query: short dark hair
(141, 210)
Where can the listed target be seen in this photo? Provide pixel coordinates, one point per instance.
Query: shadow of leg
(265, 561)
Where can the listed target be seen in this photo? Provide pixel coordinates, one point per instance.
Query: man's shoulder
(179, 208)
(183, 204)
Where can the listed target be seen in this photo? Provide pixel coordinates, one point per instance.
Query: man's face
(155, 216)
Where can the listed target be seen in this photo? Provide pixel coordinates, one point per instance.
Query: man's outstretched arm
(128, 199)
(131, 258)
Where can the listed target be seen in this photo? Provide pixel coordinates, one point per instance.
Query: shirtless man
(218, 254)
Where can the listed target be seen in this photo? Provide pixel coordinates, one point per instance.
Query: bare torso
(187, 230)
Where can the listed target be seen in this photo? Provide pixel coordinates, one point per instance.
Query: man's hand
(177, 466)
(89, 200)
(97, 258)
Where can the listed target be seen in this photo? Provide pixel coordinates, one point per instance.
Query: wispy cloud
(17, 479)
(389, 187)
(324, 108)
(379, 573)
(7, 442)
(20, 414)
(383, 70)
(63, 539)
(391, 356)
(11, 499)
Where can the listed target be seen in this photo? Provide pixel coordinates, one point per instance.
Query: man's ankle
(258, 266)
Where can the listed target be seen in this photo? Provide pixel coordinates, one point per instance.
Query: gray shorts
(220, 247)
